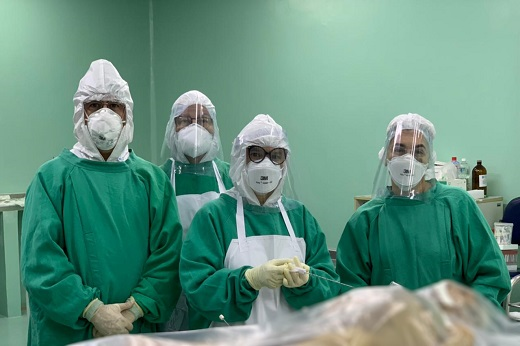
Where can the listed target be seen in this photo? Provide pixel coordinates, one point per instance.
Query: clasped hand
(293, 278)
(112, 319)
(277, 272)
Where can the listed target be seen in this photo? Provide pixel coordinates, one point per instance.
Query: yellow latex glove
(107, 319)
(134, 313)
(96, 334)
(291, 278)
(269, 274)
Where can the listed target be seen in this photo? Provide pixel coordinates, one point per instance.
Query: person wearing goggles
(101, 236)
(249, 253)
(415, 231)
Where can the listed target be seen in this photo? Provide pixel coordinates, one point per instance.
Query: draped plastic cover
(445, 313)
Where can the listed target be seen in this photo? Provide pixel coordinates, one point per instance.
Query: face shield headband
(406, 163)
(192, 131)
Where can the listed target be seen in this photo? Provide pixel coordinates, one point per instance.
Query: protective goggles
(94, 106)
(257, 154)
(183, 121)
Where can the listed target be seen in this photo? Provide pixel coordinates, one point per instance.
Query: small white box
(510, 253)
(458, 183)
(503, 232)
(476, 194)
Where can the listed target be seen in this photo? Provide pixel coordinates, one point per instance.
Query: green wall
(332, 72)
(46, 47)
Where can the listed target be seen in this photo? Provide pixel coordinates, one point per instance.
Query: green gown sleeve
(353, 263)
(47, 274)
(212, 289)
(159, 288)
(317, 257)
(483, 265)
(166, 167)
(476, 261)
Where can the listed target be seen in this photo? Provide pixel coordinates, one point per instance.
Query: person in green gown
(195, 167)
(101, 236)
(248, 254)
(415, 231)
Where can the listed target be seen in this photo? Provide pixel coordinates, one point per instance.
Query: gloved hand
(96, 334)
(269, 274)
(134, 313)
(295, 279)
(107, 319)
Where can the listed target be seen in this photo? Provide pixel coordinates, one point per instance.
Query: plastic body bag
(445, 313)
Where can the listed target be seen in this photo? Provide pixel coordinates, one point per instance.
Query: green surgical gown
(198, 178)
(192, 179)
(416, 243)
(106, 230)
(213, 290)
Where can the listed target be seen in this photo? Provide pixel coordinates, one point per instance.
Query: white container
(510, 253)
(458, 183)
(503, 232)
(476, 194)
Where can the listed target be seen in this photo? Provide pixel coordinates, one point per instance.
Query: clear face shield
(192, 135)
(406, 167)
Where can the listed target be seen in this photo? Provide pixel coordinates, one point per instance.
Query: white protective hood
(192, 97)
(265, 132)
(102, 82)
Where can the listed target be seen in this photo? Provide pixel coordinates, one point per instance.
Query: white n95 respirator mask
(193, 140)
(263, 177)
(104, 127)
(406, 172)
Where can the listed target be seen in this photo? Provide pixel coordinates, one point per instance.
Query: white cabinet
(493, 209)
(12, 294)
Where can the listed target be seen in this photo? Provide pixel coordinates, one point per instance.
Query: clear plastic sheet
(445, 313)
(235, 335)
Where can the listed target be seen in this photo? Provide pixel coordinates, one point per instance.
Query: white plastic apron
(189, 204)
(257, 250)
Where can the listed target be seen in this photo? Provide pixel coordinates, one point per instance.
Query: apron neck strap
(172, 173)
(241, 229)
(288, 224)
(221, 187)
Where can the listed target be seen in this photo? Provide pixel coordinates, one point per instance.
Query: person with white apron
(238, 260)
(196, 170)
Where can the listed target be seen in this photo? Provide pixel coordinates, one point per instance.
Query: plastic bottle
(464, 172)
(479, 177)
(455, 163)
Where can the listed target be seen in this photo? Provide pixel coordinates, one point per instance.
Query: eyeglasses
(94, 106)
(183, 121)
(419, 152)
(257, 154)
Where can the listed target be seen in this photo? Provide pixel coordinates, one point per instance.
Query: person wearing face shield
(101, 237)
(248, 254)
(195, 167)
(414, 231)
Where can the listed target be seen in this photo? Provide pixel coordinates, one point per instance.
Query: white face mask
(263, 177)
(104, 127)
(193, 140)
(406, 172)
